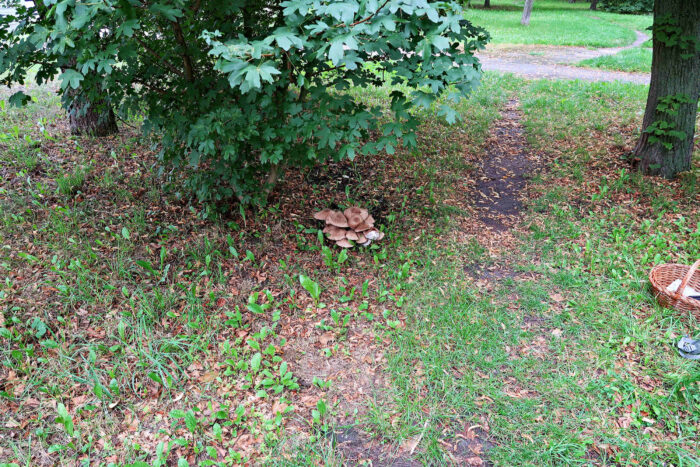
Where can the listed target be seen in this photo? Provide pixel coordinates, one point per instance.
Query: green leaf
(70, 78)
(255, 362)
(19, 99)
(336, 52)
(190, 421)
(310, 286)
(125, 233)
(65, 419)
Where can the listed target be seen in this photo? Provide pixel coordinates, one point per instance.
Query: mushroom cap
(361, 238)
(370, 220)
(344, 243)
(367, 243)
(329, 228)
(352, 235)
(337, 219)
(337, 234)
(362, 227)
(351, 211)
(373, 234)
(322, 214)
(381, 235)
(354, 220)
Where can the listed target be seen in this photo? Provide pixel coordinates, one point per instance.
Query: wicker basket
(663, 275)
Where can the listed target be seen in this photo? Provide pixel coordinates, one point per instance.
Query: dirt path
(555, 62)
(505, 168)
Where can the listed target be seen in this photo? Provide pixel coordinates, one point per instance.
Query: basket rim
(674, 296)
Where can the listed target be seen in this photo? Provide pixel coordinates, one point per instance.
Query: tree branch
(155, 55)
(186, 59)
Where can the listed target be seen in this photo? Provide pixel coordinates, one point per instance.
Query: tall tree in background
(527, 9)
(666, 144)
(594, 5)
(487, 3)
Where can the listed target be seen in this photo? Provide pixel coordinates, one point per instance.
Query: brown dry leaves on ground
(97, 323)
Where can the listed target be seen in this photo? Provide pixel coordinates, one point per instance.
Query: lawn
(140, 328)
(557, 22)
(635, 60)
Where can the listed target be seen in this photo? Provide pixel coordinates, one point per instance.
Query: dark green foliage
(234, 91)
(627, 6)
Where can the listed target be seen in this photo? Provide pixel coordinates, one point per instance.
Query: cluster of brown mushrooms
(352, 225)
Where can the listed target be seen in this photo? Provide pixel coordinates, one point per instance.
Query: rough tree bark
(594, 5)
(675, 82)
(91, 118)
(487, 3)
(527, 9)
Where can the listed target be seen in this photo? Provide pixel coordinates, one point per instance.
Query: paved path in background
(554, 62)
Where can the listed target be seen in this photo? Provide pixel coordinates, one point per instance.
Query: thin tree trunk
(594, 5)
(675, 82)
(487, 3)
(527, 9)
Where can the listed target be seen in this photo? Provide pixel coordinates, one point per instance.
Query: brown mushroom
(329, 229)
(344, 243)
(361, 238)
(337, 219)
(354, 220)
(322, 215)
(352, 235)
(354, 210)
(337, 234)
(362, 227)
(370, 220)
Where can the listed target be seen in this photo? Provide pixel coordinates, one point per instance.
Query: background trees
(233, 92)
(666, 144)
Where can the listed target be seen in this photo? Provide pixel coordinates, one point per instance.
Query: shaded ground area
(553, 62)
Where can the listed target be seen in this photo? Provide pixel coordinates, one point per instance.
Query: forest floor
(505, 318)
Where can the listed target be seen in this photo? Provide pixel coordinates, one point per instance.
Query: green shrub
(234, 92)
(627, 6)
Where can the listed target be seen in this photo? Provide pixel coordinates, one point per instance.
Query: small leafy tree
(233, 92)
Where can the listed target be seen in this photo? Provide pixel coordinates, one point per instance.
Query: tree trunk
(487, 3)
(527, 9)
(594, 5)
(665, 146)
(92, 119)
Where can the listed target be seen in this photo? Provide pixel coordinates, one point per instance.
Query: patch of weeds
(70, 183)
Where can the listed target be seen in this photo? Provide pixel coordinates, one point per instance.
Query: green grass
(636, 60)
(152, 324)
(557, 23)
(555, 360)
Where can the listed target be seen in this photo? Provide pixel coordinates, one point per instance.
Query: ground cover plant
(557, 23)
(134, 330)
(505, 318)
(543, 346)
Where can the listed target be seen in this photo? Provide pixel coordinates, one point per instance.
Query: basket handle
(686, 279)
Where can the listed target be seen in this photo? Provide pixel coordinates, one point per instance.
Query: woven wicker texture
(663, 275)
